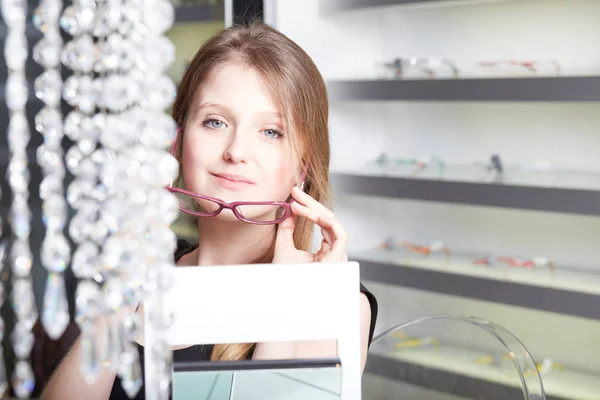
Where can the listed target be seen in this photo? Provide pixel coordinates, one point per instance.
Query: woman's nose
(236, 150)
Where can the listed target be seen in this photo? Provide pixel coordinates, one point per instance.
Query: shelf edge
(503, 292)
(570, 201)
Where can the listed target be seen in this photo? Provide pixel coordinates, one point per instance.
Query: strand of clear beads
(157, 93)
(3, 378)
(55, 252)
(85, 195)
(122, 265)
(17, 92)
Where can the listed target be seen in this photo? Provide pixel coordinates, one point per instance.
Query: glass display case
(464, 168)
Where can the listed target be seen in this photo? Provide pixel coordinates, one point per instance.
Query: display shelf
(541, 89)
(433, 366)
(564, 291)
(552, 199)
(345, 5)
(199, 13)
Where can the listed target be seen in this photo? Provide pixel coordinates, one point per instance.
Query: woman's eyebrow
(213, 105)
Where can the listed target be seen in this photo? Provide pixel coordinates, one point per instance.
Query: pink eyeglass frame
(233, 206)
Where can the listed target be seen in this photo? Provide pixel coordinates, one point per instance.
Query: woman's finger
(306, 200)
(312, 215)
(285, 234)
(338, 247)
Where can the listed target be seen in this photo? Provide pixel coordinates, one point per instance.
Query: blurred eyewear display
(543, 367)
(435, 246)
(530, 66)
(420, 164)
(535, 262)
(398, 68)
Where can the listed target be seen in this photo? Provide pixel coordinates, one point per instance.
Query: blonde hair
(295, 82)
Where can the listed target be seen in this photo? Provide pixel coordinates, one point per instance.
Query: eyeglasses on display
(435, 246)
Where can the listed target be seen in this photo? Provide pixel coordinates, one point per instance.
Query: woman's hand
(333, 246)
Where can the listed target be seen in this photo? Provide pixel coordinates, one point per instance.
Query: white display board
(269, 302)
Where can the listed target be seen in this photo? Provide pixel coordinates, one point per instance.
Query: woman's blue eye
(214, 123)
(272, 133)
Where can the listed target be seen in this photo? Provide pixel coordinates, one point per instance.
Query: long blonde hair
(295, 82)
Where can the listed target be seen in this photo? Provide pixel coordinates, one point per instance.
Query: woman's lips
(232, 182)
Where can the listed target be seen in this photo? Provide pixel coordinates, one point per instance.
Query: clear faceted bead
(14, 13)
(47, 87)
(115, 349)
(113, 293)
(15, 50)
(18, 174)
(72, 124)
(91, 360)
(158, 93)
(55, 253)
(55, 314)
(108, 18)
(73, 159)
(79, 228)
(49, 123)
(21, 258)
(18, 133)
(162, 16)
(85, 261)
(22, 340)
(79, 54)
(23, 380)
(23, 302)
(131, 373)
(17, 91)
(68, 21)
(50, 159)
(20, 218)
(116, 92)
(88, 302)
(79, 190)
(86, 15)
(155, 54)
(112, 54)
(51, 185)
(131, 327)
(159, 132)
(80, 91)
(55, 214)
(46, 52)
(45, 16)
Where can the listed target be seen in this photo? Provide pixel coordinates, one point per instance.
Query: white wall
(347, 45)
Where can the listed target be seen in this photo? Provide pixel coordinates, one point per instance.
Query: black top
(203, 352)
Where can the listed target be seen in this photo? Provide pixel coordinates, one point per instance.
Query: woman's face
(235, 144)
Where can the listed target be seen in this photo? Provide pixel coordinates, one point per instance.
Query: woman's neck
(225, 243)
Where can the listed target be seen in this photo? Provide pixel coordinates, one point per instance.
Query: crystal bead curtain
(55, 252)
(14, 13)
(114, 63)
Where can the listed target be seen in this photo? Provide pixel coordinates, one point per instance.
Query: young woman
(253, 113)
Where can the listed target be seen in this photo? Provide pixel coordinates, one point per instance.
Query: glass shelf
(559, 178)
(562, 278)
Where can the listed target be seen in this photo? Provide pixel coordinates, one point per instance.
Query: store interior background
(348, 39)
